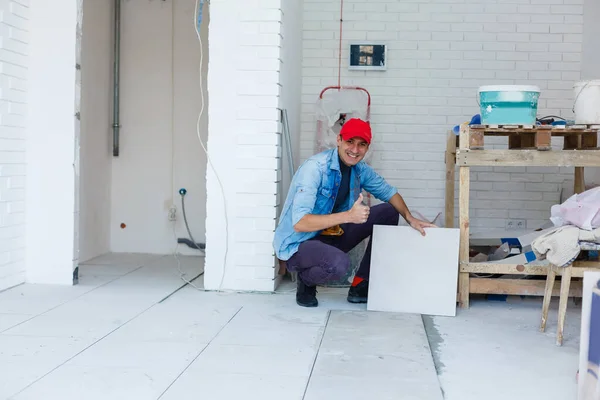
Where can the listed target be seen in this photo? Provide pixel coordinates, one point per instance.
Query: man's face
(352, 151)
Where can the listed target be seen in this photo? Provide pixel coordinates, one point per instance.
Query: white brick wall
(14, 39)
(439, 53)
(244, 142)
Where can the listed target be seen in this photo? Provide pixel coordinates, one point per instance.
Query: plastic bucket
(587, 102)
(508, 104)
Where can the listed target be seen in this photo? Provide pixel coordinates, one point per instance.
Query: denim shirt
(313, 190)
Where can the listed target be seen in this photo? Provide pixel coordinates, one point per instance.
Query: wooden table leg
(565, 285)
(579, 180)
(450, 177)
(463, 216)
(547, 297)
(463, 277)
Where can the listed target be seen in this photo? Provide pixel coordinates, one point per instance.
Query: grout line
(74, 298)
(181, 287)
(316, 355)
(433, 352)
(200, 353)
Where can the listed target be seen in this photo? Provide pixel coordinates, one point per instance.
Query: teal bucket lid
(509, 88)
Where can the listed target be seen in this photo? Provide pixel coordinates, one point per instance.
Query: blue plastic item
(475, 120)
(508, 104)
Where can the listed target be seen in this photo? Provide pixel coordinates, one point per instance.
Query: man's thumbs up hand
(359, 213)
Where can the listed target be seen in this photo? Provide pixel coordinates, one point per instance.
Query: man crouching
(324, 217)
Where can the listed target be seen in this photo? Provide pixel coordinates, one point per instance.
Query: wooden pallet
(580, 137)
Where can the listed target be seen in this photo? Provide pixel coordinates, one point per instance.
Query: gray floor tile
(194, 386)
(9, 320)
(99, 383)
(260, 360)
(371, 387)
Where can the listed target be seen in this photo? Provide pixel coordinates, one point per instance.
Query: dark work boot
(306, 296)
(359, 293)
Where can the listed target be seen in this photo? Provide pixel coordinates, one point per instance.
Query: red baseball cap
(356, 127)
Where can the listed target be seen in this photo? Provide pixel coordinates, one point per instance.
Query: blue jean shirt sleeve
(374, 183)
(307, 184)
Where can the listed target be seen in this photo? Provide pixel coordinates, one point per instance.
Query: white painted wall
(96, 133)
(159, 148)
(291, 82)
(244, 84)
(440, 52)
(14, 49)
(590, 65)
(50, 157)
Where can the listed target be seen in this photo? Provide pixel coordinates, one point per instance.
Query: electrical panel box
(367, 57)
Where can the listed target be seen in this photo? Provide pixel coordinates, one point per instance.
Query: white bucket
(587, 102)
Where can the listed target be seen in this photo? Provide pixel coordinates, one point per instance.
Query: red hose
(340, 54)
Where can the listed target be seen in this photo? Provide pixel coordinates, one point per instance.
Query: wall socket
(516, 224)
(172, 213)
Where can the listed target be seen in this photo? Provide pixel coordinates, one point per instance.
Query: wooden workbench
(527, 146)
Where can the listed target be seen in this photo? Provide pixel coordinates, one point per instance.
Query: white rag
(561, 245)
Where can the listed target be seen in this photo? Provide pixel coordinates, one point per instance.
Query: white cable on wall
(197, 29)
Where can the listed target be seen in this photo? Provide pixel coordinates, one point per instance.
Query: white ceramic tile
(193, 385)
(376, 334)
(371, 387)
(9, 320)
(123, 259)
(375, 320)
(39, 350)
(163, 322)
(267, 352)
(98, 383)
(185, 263)
(36, 299)
(370, 348)
(414, 366)
(75, 326)
(112, 352)
(362, 341)
(86, 271)
(414, 274)
(282, 314)
(492, 343)
(17, 376)
(286, 337)
(261, 360)
(25, 359)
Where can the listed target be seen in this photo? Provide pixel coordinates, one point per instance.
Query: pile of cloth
(577, 228)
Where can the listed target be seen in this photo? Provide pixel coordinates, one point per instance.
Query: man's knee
(338, 266)
(388, 214)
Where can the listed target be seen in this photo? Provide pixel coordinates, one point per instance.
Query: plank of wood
(589, 141)
(579, 181)
(520, 287)
(504, 130)
(543, 140)
(476, 139)
(572, 142)
(450, 179)
(565, 284)
(547, 297)
(464, 191)
(528, 158)
(587, 264)
(464, 137)
(518, 269)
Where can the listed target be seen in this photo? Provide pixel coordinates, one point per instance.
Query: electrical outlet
(172, 213)
(516, 224)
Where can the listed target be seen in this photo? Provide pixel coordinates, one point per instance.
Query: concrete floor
(130, 331)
